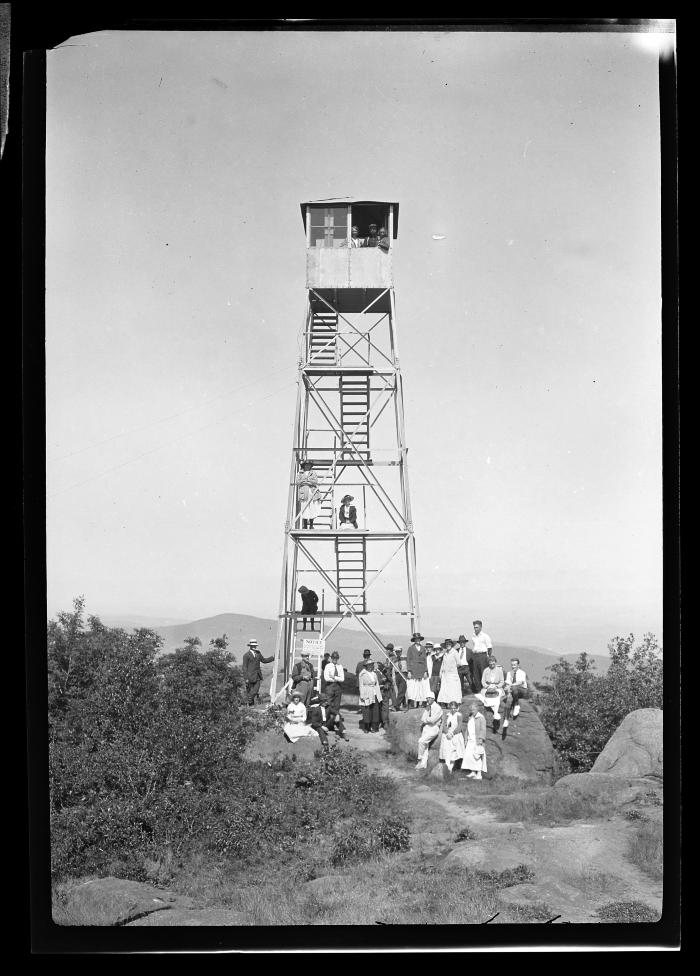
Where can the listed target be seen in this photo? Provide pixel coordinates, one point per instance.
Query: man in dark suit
(316, 718)
(347, 513)
(252, 672)
(309, 604)
(304, 678)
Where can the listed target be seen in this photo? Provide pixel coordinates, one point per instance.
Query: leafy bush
(627, 911)
(504, 879)
(367, 839)
(466, 833)
(147, 767)
(580, 709)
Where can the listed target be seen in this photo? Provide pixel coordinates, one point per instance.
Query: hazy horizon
(528, 292)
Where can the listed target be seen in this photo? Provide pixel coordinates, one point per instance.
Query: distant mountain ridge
(240, 628)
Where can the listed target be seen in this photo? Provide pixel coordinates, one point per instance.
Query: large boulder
(486, 855)
(113, 901)
(197, 916)
(636, 747)
(525, 754)
(272, 747)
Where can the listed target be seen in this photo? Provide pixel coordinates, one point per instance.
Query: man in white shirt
(482, 648)
(516, 688)
(430, 728)
(334, 676)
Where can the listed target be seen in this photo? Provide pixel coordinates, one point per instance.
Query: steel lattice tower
(350, 422)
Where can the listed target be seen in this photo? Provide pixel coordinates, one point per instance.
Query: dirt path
(577, 867)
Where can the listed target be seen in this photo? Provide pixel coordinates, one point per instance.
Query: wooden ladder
(351, 561)
(354, 413)
(323, 340)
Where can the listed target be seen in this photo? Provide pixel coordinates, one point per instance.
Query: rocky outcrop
(525, 754)
(196, 916)
(272, 747)
(489, 856)
(636, 747)
(115, 901)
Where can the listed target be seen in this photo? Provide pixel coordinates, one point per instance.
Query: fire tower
(350, 423)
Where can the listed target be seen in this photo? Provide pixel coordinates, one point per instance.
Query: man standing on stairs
(309, 604)
(252, 672)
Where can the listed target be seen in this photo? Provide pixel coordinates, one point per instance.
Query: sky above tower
(527, 272)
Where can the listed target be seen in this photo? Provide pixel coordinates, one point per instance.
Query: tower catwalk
(349, 424)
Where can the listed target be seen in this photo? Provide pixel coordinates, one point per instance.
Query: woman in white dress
(295, 727)
(309, 495)
(452, 742)
(450, 682)
(474, 761)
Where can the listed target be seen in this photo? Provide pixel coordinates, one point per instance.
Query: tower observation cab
(348, 530)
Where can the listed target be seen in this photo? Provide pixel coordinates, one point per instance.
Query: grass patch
(520, 874)
(591, 882)
(536, 911)
(552, 806)
(389, 890)
(627, 911)
(646, 849)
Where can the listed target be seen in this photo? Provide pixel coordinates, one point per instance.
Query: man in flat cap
(304, 678)
(252, 672)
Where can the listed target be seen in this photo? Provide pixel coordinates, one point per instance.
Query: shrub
(466, 833)
(627, 911)
(646, 849)
(147, 767)
(580, 709)
(504, 879)
(364, 840)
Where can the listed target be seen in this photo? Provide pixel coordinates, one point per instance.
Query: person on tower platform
(355, 239)
(347, 513)
(252, 672)
(372, 240)
(384, 242)
(309, 604)
(308, 494)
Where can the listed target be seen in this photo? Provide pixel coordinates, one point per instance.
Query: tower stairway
(351, 561)
(354, 413)
(323, 340)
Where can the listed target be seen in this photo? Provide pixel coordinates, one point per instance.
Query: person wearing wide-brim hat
(347, 513)
(370, 697)
(308, 494)
(434, 653)
(450, 681)
(418, 680)
(295, 727)
(466, 675)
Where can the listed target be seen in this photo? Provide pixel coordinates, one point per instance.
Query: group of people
(376, 237)
(432, 676)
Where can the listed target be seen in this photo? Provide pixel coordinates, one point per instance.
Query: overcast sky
(529, 335)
